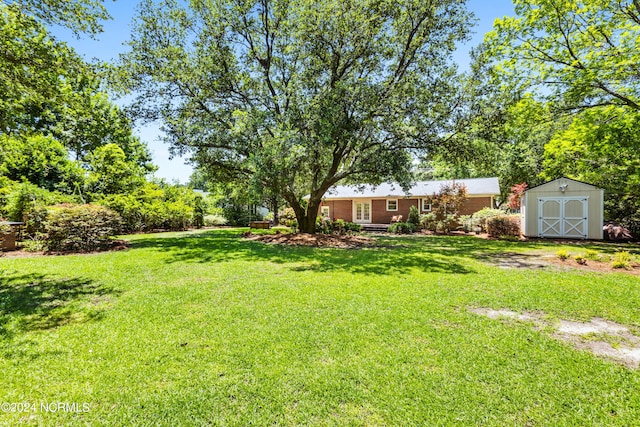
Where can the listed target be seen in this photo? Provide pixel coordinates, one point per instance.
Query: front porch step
(377, 228)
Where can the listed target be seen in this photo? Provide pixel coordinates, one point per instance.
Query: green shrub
(622, 260)
(414, 217)
(592, 255)
(466, 222)
(503, 225)
(352, 226)
(339, 226)
(213, 220)
(479, 219)
(428, 222)
(80, 227)
(287, 216)
(199, 208)
(447, 223)
(27, 197)
(402, 228)
(562, 254)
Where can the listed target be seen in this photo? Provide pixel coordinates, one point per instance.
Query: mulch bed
(314, 240)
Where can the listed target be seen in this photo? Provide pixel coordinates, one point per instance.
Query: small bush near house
(504, 225)
(402, 228)
(480, 218)
(429, 222)
(213, 220)
(339, 226)
(80, 227)
(562, 254)
(447, 224)
(414, 217)
(622, 260)
(466, 223)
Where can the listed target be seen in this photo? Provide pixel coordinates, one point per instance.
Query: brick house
(377, 205)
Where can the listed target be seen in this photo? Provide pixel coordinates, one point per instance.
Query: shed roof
(475, 187)
(564, 181)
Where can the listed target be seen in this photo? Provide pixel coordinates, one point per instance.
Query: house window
(392, 204)
(426, 205)
(324, 212)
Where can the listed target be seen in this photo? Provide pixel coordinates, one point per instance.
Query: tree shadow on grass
(396, 257)
(30, 302)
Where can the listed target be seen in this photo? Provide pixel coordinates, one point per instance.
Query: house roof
(475, 187)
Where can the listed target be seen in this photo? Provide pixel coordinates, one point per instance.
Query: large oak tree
(298, 95)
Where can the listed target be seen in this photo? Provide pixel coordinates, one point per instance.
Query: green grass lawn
(204, 328)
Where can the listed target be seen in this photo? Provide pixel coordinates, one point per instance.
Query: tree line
(277, 100)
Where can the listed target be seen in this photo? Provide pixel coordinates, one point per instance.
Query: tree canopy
(298, 95)
(579, 53)
(81, 16)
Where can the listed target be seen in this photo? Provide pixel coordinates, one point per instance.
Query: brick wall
(340, 209)
(343, 209)
(474, 204)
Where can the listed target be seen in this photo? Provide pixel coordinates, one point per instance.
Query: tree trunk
(307, 223)
(274, 207)
(306, 217)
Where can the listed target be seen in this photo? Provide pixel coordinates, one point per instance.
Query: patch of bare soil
(315, 240)
(598, 336)
(601, 266)
(514, 260)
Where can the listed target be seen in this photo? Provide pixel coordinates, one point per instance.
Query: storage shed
(562, 208)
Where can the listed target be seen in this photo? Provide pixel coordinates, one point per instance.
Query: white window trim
(387, 204)
(354, 211)
(323, 209)
(422, 205)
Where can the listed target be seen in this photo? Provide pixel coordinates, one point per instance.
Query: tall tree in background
(578, 53)
(80, 16)
(602, 147)
(299, 95)
(46, 88)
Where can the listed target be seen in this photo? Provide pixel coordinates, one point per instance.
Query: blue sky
(110, 43)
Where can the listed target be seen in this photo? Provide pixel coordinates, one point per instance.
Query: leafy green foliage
(429, 222)
(600, 147)
(40, 160)
(154, 206)
(402, 228)
(582, 51)
(81, 16)
(622, 259)
(110, 173)
(481, 217)
(289, 96)
(80, 228)
(414, 216)
(213, 220)
(503, 225)
(562, 254)
(25, 198)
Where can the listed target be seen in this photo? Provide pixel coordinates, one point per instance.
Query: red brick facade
(343, 209)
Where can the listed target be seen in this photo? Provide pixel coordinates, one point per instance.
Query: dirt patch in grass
(598, 336)
(602, 266)
(536, 260)
(514, 260)
(315, 240)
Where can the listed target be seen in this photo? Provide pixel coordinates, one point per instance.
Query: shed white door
(563, 217)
